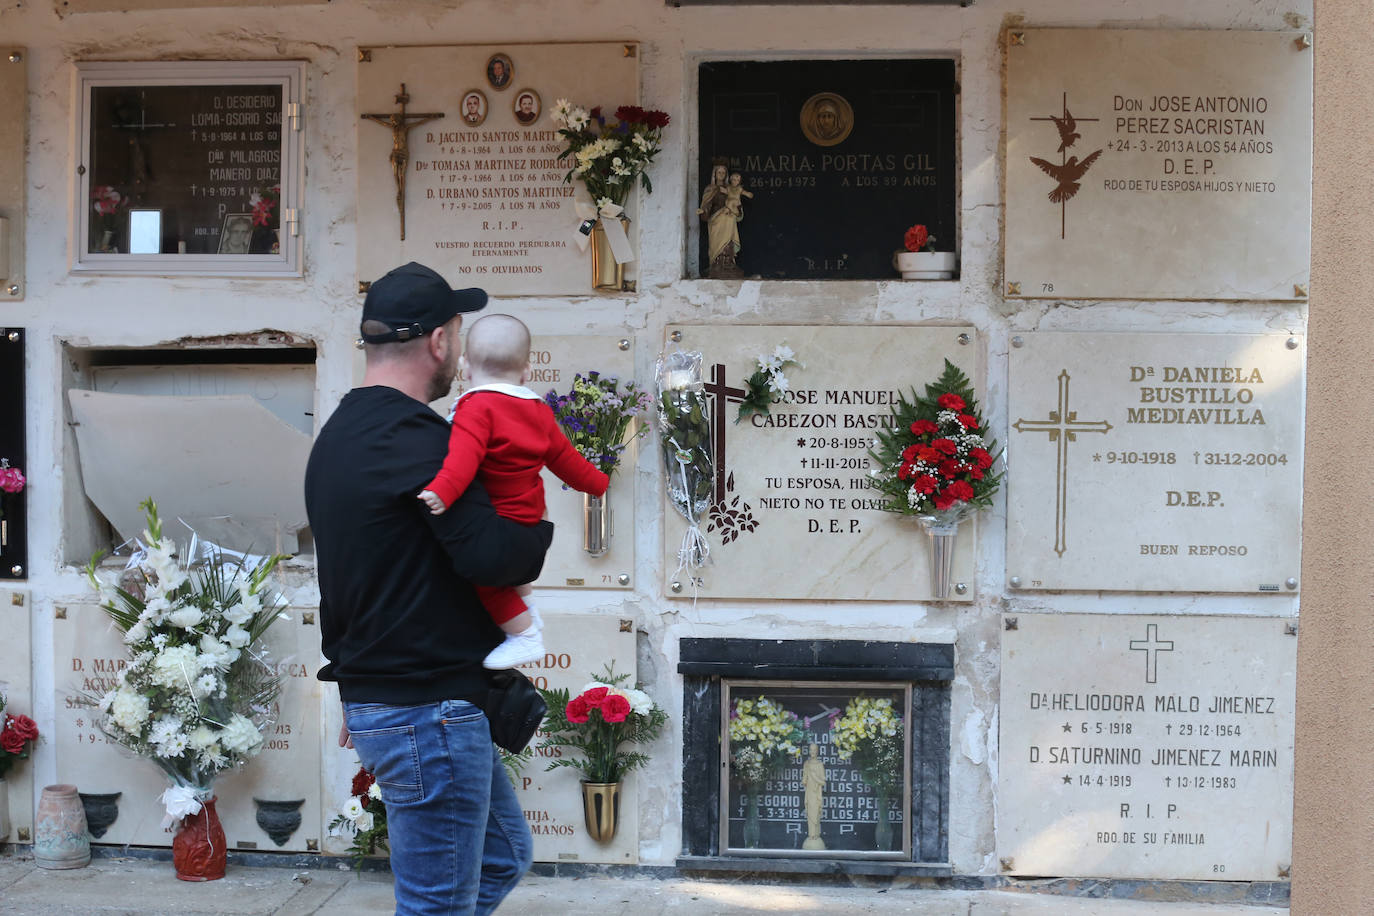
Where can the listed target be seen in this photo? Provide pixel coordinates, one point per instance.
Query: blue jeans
(459, 842)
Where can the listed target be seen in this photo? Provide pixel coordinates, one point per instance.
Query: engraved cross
(1063, 427)
(1151, 645)
(721, 396)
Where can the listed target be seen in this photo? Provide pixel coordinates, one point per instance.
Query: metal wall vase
(596, 524)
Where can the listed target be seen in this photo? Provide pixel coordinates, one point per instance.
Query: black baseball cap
(413, 300)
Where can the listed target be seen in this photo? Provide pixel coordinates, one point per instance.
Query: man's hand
(345, 739)
(431, 499)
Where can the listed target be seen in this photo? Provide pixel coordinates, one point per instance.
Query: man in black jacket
(401, 626)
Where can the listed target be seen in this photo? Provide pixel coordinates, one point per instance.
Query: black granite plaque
(14, 542)
(841, 157)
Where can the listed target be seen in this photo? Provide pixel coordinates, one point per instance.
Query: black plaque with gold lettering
(840, 157)
(14, 541)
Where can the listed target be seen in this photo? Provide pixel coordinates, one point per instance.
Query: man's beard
(441, 382)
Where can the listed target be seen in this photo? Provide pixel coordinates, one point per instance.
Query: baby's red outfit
(504, 435)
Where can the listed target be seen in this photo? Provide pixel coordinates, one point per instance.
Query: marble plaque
(16, 686)
(579, 648)
(554, 360)
(1154, 462)
(88, 653)
(807, 524)
(1146, 746)
(485, 200)
(1154, 164)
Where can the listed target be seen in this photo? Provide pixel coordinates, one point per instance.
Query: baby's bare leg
(518, 624)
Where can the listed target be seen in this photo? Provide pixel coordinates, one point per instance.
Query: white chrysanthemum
(175, 667)
(364, 821)
(353, 808)
(205, 685)
(374, 791)
(163, 729)
(159, 641)
(236, 636)
(136, 633)
(174, 746)
(241, 736)
(156, 609)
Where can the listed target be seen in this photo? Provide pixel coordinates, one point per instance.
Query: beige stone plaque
(801, 472)
(486, 204)
(554, 360)
(14, 115)
(1154, 164)
(579, 647)
(16, 680)
(1139, 746)
(88, 653)
(1154, 462)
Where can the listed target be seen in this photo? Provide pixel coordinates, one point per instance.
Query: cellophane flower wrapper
(685, 436)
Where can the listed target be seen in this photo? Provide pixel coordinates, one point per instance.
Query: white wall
(107, 311)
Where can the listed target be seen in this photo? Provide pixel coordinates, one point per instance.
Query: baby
(733, 192)
(504, 433)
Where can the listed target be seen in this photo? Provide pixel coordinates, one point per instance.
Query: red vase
(199, 850)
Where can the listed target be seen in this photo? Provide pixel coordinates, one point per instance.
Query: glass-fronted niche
(190, 167)
(819, 769)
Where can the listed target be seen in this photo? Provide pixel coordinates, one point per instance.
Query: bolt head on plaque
(961, 588)
(1018, 342)
(13, 336)
(12, 289)
(1291, 583)
(964, 340)
(623, 579)
(1291, 343)
(675, 586)
(624, 343)
(15, 57)
(675, 337)
(16, 570)
(1015, 581)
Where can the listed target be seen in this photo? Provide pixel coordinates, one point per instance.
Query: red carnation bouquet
(918, 238)
(16, 738)
(934, 459)
(604, 716)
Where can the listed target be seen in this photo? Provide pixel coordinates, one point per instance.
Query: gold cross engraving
(400, 123)
(1063, 427)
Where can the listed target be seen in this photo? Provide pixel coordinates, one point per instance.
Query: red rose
(577, 710)
(362, 781)
(951, 401)
(924, 484)
(967, 421)
(916, 238)
(961, 490)
(594, 697)
(945, 445)
(615, 709)
(26, 727)
(923, 428)
(10, 742)
(980, 457)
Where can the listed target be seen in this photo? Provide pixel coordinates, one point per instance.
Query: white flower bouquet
(199, 689)
(870, 734)
(764, 736)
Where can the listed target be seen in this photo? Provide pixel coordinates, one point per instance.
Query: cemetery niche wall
(14, 465)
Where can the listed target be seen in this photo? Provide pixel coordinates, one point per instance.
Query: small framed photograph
(527, 106)
(237, 235)
(500, 71)
(474, 107)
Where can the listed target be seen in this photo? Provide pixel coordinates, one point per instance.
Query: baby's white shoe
(517, 649)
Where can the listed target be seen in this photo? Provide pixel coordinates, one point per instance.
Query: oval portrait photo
(826, 118)
(500, 71)
(527, 106)
(473, 107)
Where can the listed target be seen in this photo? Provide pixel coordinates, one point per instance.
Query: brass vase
(608, 275)
(601, 808)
